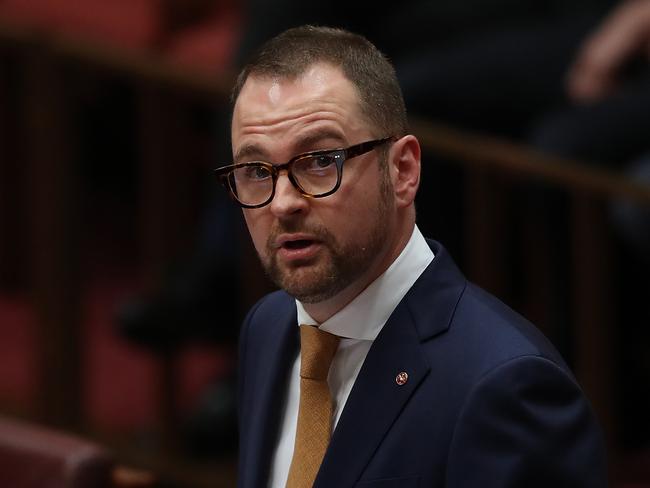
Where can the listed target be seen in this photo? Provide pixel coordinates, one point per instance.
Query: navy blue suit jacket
(488, 401)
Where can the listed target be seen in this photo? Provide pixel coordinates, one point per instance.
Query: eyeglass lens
(314, 174)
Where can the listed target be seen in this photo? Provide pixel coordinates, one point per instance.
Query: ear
(405, 169)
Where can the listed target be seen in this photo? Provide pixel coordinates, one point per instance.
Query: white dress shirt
(358, 324)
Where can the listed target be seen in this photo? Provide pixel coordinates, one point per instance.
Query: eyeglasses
(314, 174)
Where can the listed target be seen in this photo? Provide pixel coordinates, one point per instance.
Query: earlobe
(405, 169)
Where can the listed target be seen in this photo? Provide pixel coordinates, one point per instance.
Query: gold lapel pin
(402, 378)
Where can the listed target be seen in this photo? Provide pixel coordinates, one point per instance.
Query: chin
(312, 284)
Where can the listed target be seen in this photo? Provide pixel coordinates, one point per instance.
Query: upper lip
(284, 238)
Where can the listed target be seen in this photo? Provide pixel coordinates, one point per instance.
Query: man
(421, 379)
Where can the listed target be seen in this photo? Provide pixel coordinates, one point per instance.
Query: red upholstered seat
(35, 457)
(124, 23)
(205, 42)
(208, 46)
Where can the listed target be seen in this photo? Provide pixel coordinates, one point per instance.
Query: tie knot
(317, 349)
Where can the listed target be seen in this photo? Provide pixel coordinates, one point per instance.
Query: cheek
(355, 217)
(257, 229)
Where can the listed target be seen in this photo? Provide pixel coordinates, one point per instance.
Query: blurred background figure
(607, 117)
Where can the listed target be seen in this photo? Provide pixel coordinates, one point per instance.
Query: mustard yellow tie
(317, 349)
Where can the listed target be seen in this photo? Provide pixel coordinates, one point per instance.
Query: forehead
(322, 94)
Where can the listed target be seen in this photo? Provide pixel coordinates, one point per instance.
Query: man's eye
(321, 162)
(256, 173)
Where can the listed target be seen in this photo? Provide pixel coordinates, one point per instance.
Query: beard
(338, 264)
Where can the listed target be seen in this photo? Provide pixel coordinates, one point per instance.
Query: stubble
(337, 264)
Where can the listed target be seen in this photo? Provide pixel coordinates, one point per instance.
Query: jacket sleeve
(526, 423)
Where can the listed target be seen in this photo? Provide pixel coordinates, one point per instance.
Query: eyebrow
(251, 152)
(305, 143)
(310, 140)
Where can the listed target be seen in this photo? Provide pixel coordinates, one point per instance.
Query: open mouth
(299, 244)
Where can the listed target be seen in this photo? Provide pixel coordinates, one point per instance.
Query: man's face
(314, 248)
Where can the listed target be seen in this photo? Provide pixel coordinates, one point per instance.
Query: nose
(287, 200)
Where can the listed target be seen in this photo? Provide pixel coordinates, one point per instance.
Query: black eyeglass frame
(224, 172)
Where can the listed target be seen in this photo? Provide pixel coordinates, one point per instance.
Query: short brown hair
(291, 53)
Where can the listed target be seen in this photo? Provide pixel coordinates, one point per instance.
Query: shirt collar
(364, 317)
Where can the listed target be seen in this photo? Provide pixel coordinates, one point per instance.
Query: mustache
(319, 232)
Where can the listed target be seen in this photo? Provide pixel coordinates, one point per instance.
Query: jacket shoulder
(503, 333)
(272, 307)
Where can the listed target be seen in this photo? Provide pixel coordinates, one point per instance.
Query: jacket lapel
(376, 399)
(271, 386)
(374, 402)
